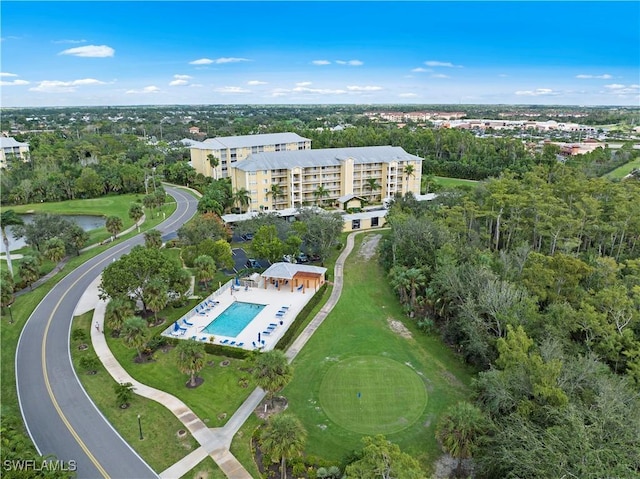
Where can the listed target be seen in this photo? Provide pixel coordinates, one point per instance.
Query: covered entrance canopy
(296, 276)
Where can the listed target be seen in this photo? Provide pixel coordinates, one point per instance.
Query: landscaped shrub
(289, 336)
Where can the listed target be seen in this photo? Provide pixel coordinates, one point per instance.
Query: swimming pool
(234, 319)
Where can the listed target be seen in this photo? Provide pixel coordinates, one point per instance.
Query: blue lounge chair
(193, 337)
(300, 287)
(253, 343)
(187, 322)
(232, 343)
(240, 345)
(279, 315)
(177, 327)
(203, 338)
(271, 328)
(224, 342)
(266, 333)
(273, 324)
(284, 307)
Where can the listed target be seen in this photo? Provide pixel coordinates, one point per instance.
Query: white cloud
(180, 80)
(16, 82)
(440, 75)
(537, 92)
(279, 92)
(57, 86)
(318, 91)
(218, 61)
(407, 95)
(321, 62)
(353, 63)
(303, 83)
(70, 41)
(421, 70)
(230, 60)
(92, 51)
(145, 91)
(232, 89)
(256, 82)
(5, 74)
(434, 63)
(622, 90)
(196, 85)
(364, 88)
(604, 76)
(201, 61)
(503, 75)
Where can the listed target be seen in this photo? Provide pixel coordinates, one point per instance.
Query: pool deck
(264, 320)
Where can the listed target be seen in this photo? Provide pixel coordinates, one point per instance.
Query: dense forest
(535, 281)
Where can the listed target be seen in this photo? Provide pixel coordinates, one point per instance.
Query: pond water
(85, 222)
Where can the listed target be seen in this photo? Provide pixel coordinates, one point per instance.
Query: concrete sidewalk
(214, 442)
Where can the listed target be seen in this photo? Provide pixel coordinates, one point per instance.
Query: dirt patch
(280, 403)
(198, 382)
(399, 328)
(448, 467)
(369, 246)
(225, 363)
(451, 379)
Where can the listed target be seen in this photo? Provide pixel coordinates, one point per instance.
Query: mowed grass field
(446, 182)
(623, 170)
(363, 340)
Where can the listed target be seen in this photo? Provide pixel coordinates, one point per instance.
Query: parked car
(314, 257)
(302, 258)
(247, 236)
(287, 258)
(252, 263)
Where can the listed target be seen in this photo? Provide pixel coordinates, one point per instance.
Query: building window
(355, 224)
(374, 221)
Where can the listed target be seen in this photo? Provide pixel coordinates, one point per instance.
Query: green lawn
(446, 182)
(359, 327)
(623, 170)
(372, 395)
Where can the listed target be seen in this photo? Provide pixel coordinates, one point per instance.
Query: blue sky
(141, 53)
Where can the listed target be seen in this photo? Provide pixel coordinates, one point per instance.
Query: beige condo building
(229, 150)
(341, 172)
(11, 149)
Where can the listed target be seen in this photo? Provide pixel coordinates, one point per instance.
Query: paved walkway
(214, 442)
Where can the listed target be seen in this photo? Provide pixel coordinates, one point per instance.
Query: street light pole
(140, 427)
(10, 314)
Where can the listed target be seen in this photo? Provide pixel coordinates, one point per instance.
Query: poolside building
(229, 150)
(326, 176)
(292, 276)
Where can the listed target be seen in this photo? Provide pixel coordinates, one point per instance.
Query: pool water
(234, 319)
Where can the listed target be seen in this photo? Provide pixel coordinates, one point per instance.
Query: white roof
(247, 141)
(365, 214)
(289, 270)
(10, 142)
(324, 157)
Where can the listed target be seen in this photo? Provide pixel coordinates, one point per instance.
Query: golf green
(372, 395)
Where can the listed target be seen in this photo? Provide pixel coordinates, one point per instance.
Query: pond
(86, 222)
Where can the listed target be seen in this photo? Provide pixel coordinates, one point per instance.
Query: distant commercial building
(230, 150)
(371, 173)
(12, 149)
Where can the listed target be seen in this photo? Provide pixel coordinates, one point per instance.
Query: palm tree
(153, 239)
(157, 297)
(135, 333)
(190, 359)
(242, 197)
(114, 226)
(459, 429)
(8, 218)
(272, 372)
(409, 170)
(372, 185)
(54, 249)
(214, 162)
(30, 269)
(149, 201)
(205, 268)
(283, 438)
(276, 191)
(124, 393)
(320, 193)
(136, 212)
(118, 309)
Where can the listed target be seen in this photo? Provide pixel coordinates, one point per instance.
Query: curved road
(60, 417)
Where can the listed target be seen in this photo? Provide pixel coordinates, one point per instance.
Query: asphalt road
(60, 417)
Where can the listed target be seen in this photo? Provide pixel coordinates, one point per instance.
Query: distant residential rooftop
(10, 142)
(247, 141)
